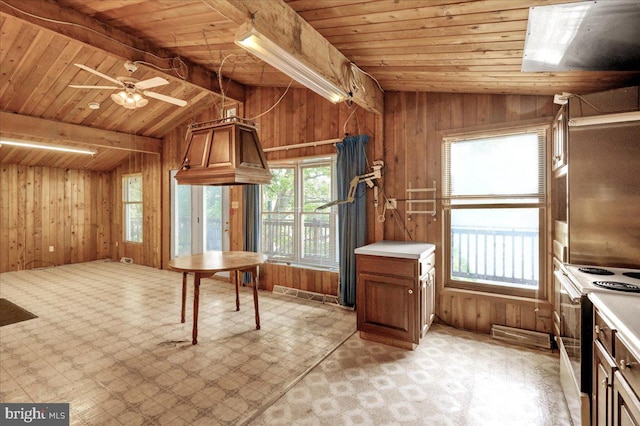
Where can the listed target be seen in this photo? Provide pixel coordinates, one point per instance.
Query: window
(132, 202)
(292, 230)
(494, 187)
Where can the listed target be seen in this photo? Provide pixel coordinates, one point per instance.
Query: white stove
(590, 279)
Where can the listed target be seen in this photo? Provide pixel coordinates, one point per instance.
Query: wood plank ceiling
(406, 45)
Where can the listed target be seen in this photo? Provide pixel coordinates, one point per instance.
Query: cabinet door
(427, 301)
(387, 306)
(626, 406)
(559, 135)
(604, 366)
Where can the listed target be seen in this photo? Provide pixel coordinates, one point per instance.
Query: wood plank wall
(41, 207)
(302, 116)
(413, 123)
(149, 252)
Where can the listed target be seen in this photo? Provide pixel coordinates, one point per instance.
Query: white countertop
(403, 249)
(624, 311)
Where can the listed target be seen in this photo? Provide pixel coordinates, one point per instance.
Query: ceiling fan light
(118, 98)
(129, 100)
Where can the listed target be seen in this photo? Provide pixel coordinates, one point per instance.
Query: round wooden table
(207, 264)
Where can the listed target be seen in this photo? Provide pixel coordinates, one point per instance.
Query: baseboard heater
(518, 336)
(304, 294)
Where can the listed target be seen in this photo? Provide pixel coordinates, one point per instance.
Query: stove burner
(595, 271)
(614, 285)
(632, 275)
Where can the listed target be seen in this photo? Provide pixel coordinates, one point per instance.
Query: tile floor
(109, 341)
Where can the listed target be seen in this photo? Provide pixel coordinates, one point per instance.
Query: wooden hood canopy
(224, 152)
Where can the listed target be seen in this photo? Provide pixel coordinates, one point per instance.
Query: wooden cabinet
(604, 368)
(559, 140)
(626, 405)
(427, 299)
(616, 377)
(395, 298)
(626, 389)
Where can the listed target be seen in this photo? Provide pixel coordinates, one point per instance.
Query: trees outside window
(292, 229)
(132, 204)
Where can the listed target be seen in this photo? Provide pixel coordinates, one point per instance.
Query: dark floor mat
(11, 313)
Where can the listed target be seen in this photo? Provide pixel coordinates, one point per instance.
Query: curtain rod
(302, 145)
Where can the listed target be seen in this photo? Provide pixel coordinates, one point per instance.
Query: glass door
(199, 218)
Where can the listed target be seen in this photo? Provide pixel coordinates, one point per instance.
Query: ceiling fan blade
(165, 98)
(150, 83)
(80, 86)
(98, 73)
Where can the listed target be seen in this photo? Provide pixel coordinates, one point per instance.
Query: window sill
(303, 266)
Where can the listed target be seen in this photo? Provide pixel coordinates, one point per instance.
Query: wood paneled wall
(315, 280)
(301, 117)
(413, 126)
(41, 207)
(149, 252)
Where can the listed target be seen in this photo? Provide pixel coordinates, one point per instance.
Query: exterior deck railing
(278, 238)
(495, 255)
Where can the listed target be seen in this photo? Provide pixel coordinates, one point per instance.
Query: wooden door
(601, 402)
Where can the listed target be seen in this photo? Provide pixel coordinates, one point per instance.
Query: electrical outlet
(51, 249)
(392, 204)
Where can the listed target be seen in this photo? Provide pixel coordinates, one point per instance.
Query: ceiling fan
(132, 90)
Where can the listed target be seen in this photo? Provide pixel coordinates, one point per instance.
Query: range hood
(224, 152)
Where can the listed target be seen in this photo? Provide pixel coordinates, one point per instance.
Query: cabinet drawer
(390, 266)
(628, 364)
(603, 332)
(427, 264)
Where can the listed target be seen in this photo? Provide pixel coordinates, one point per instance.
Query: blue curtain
(352, 218)
(250, 221)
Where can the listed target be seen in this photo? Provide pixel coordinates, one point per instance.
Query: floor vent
(304, 294)
(518, 336)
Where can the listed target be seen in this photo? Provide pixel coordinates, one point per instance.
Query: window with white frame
(494, 188)
(132, 205)
(291, 228)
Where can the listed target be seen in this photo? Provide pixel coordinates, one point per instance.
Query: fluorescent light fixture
(129, 100)
(605, 119)
(259, 45)
(50, 147)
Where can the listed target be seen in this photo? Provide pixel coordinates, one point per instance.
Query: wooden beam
(281, 24)
(97, 34)
(18, 126)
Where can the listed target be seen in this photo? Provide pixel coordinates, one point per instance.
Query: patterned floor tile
(114, 348)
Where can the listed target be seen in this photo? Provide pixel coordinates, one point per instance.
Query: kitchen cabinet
(559, 142)
(427, 297)
(593, 165)
(395, 292)
(626, 386)
(616, 376)
(626, 404)
(604, 367)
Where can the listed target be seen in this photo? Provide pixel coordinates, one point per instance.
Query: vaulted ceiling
(402, 45)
